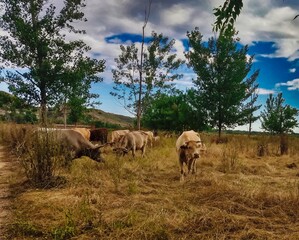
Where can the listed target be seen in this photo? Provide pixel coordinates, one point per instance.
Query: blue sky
(266, 26)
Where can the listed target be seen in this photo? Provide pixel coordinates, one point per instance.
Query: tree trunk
(43, 114)
(64, 115)
(219, 130)
(140, 81)
(139, 107)
(249, 129)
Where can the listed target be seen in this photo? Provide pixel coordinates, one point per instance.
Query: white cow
(188, 147)
(116, 135)
(132, 141)
(150, 138)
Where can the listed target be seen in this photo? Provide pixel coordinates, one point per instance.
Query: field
(235, 194)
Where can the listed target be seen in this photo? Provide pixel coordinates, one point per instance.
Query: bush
(38, 152)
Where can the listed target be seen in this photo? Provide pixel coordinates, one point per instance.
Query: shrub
(38, 152)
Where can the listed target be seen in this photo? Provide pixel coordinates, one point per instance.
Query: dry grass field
(235, 195)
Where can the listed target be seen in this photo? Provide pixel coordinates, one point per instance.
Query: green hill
(116, 119)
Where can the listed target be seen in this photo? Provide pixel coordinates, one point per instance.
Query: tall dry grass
(236, 194)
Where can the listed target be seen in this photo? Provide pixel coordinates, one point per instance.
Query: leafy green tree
(174, 112)
(247, 113)
(278, 118)
(36, 42)
(77, 109)
(136, 84)
(166, 113)
(221, 66)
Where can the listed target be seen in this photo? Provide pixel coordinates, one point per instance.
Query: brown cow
(132, 141)
(99, 135)
(188, 147)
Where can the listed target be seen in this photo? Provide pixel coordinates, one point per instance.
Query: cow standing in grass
(188, 146)
(132, 141)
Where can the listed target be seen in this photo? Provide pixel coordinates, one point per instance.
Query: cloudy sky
(266, 26)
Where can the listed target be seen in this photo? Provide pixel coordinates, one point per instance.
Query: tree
(168, 112)
(179, 111)
(250, 107)
(221, 66)
(137, 84)
(226, 16)
(37, 43)
(77, 109)
(278, 118)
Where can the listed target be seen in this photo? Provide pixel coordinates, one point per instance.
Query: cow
(84, 131)
(188, 147)
(99, 135)
(74, 141)
(150, 138)
(132, 141)
(116, 135)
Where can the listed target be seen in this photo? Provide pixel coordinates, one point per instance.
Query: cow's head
(120, 150)
(93, 153)
(191, 149)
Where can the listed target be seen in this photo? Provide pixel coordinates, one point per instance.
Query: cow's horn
(103, 145)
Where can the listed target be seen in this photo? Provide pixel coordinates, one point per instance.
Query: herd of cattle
(81, 142)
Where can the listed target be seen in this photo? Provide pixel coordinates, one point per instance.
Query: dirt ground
(6, 176)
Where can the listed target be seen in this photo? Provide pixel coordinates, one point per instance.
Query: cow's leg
(182, 170)
(190, 164)
(143, 150)
(193, 167)
(133, 151)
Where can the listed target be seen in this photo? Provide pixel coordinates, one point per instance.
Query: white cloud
(263, 22)
(263, 91)
(179, 48)
(292, 85)
(292, 70)
(178, 14)
(186, 81)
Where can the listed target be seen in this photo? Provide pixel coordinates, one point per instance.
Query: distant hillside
(7, 99)
(122, 121)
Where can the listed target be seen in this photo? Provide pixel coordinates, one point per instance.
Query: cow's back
(74, 139)
(84, 131)
(134, 139)
(116, 135)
